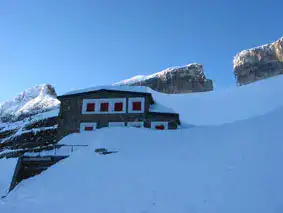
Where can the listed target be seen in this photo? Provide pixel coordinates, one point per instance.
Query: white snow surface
(7, 167)
(132, 80)
(33, 99)
(227, 105)
(233, 166)
(228, 168)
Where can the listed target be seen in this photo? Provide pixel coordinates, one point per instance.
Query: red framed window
(90, 107)
(160, 127)
(88, 128)
(104, 107)
(137, 106)
(118, 107)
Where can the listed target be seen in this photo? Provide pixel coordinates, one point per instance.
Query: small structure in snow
(87, 110)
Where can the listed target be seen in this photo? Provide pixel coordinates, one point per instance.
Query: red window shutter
(160, 127)
(104, 107)
(90, 107)
(137, 106)
(118, 107)
(88, 128)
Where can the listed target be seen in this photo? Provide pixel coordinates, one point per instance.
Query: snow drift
(233, 166)
(228, 168)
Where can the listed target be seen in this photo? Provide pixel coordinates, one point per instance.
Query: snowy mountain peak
(34, 100)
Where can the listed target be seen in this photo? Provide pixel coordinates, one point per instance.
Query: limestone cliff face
(259, 62)
(184, 79)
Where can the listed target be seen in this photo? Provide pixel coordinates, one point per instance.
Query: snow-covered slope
(32, 101)
(7, 167)
(227, 105)
(132, 80)
(229, 168)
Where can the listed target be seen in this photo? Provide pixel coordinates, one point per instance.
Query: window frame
(118, 100)
(111, 107)
(153, 124)
(114, 107)
(108, 107)
(88, 105)
(83, 125)
(137, 99)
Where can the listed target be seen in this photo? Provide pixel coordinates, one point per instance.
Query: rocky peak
(259, 62)
(34, 100)
(182, 79)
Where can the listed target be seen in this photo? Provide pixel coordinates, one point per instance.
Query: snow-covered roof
(157, 107)
(141, 89)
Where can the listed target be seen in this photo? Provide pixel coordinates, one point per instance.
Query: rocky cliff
(28, 120)
(32, 101)
(184, 79)
(259, 62)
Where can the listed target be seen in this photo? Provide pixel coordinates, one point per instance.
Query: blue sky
(77, 43)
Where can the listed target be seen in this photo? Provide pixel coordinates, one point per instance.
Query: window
(104, 107)
(90, 107)
(88, 128)
(137, 106)
(159, 125)
(118, 107)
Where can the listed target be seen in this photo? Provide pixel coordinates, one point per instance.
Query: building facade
(87, 111)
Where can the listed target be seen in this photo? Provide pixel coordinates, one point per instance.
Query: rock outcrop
(17, 138)
(185, 79)
(32, 101)
(259, 63)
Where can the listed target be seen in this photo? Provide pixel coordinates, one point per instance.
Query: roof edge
(119, 91)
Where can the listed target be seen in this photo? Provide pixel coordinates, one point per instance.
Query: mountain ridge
(31, 101)
(179, 79)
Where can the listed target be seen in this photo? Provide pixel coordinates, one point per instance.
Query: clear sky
(78, 43)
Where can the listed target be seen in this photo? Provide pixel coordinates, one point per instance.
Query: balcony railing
(56, 150)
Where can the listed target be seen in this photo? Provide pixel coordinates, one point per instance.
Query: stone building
(87, 110)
